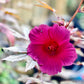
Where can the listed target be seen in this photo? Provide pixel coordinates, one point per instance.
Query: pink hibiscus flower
(51, 48)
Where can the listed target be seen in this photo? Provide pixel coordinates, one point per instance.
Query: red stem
(74, 13)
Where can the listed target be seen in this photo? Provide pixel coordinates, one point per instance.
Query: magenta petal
(51, 67)
(68, 54)
(38, 35)
(51, 48)
(59, 33)
(37, 53)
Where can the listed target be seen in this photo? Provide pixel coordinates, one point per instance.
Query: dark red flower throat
(51, 47)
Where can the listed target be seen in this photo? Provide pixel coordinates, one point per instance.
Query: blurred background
(18, 14)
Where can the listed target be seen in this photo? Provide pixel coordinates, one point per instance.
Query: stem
(74, 13)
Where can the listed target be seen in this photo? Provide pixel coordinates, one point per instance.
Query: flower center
(51, 48)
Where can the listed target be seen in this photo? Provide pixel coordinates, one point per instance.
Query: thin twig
(75, 13)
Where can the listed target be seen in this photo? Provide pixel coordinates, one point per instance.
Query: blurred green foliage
(5, 78)
(1, 51)
(7, 75)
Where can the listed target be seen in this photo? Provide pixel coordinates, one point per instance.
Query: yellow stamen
(54, 21)
(45, 5)
(12, 14)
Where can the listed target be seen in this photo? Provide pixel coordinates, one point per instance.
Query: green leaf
(1, 52)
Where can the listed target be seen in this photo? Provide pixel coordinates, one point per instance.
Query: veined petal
(61, 32)
(13, 58)
(4, 29)
(68, 54)
(26, 31)
(37, 34)
(30, 64)
(50, 47)
(16, 34)
(16, 49)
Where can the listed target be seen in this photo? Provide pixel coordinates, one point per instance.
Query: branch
(74, 13)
